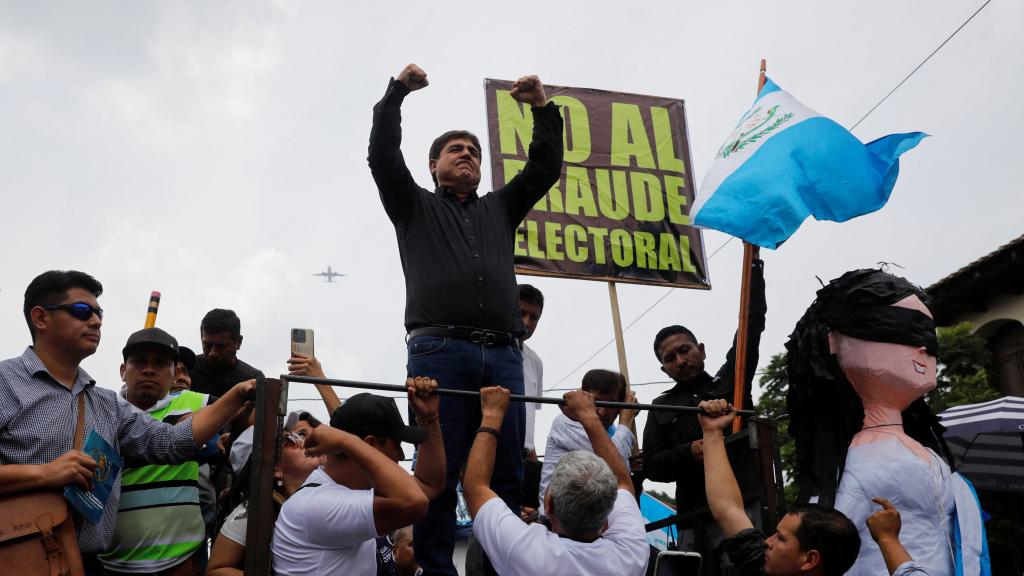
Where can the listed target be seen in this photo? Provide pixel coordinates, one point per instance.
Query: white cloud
(216, 152)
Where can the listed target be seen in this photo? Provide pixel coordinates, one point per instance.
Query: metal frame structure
(271, 407)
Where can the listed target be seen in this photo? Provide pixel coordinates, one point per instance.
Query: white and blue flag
(785, 162)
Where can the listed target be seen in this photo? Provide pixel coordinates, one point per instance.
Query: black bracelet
(489, 430)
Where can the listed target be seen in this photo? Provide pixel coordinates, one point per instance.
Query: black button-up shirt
(458, 256)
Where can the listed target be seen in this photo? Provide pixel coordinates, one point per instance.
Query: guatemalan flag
(785, 162)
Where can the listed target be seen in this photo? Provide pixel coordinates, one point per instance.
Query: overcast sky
(216, 152)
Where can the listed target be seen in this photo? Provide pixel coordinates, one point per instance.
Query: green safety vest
(159, 522)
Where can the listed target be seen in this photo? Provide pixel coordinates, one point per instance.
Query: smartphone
(677, 563)
(302, 341)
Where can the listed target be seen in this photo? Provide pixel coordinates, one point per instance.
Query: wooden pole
(620, 346)
(749, 254)
(271, 402)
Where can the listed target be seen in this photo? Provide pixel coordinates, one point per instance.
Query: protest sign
(620, 211)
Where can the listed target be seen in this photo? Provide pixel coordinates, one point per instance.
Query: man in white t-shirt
(531, 306)
(338, 521)
(568, 436)
(596, 526)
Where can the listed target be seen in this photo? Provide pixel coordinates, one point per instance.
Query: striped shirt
(159, 523)
(37, 425)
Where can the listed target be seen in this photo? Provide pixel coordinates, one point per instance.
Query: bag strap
(76, 517)
(80, 425)
(55, 558)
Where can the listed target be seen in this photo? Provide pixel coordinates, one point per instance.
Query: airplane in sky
(330, 275)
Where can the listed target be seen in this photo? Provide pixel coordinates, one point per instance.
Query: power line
(918, 67)
(873, 108)
(634, 321)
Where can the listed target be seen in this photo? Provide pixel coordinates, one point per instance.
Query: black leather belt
(474, 335)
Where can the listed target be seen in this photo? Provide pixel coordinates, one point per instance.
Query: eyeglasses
(79, 310)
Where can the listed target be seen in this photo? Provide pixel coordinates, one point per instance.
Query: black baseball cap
(369, 415)
(151, 337)
(187, 357)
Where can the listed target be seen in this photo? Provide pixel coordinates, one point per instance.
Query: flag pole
(750, 252)
(620, 343)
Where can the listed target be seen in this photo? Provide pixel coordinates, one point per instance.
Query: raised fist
(529, 90)
(413, 77)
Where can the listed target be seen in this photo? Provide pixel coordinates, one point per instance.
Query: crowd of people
(182, 423)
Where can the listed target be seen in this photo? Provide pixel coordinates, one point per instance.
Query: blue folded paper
(108, 466)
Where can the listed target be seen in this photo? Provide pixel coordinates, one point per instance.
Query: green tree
(772, 405)
(670, 500)
(964, 361)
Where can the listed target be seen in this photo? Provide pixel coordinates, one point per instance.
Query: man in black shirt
(672, 448)
(810, 539)
(218, 368)
(461, 312)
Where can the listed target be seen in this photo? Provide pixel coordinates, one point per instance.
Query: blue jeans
(463, 365)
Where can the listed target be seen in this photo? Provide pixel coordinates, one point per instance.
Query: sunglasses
(79, 310)
(293, 438)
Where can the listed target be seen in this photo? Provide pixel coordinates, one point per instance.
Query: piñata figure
(860, 362)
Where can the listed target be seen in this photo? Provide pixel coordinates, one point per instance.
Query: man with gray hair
(596, 526)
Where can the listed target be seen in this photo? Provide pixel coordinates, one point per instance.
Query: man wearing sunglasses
(43, 391)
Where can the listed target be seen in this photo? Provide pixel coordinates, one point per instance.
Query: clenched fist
(529, 90)
(413, 77)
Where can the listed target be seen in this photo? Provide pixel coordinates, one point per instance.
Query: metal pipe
(473, 393)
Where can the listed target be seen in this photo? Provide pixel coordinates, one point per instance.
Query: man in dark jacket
(673, 448)
(218, 367)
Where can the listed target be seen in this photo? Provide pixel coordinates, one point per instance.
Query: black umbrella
(987, 441)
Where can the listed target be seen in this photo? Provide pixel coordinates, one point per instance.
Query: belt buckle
(483, 337)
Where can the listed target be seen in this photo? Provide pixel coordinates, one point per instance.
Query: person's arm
(553, 452)
(153, 442)
(579, 407)
(724, 497)
(387, 165)
(624, 442)
(72, 467)
(884, 526)
(544, 157)
(209, 420)
(756, 312)
(627, 417)
(305, 365)
(397, 498)
(431, 468)
(476, 482)
(227, 558)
